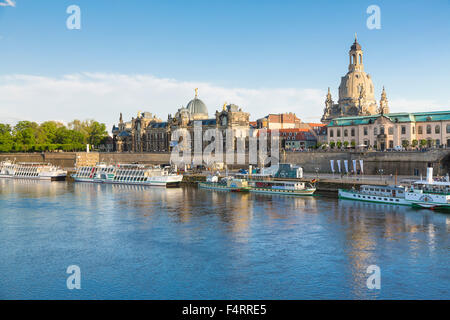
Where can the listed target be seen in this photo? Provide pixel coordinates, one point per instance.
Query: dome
(196, 106)
(355, 46)
(353, 82)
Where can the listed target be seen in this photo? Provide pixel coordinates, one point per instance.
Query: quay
(326, 184)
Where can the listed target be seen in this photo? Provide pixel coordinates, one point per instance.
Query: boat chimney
(429, 175)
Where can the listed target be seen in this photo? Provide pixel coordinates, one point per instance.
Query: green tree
(49, 129)
(414, 143)
(6, 138)
(405, 144)
(423, 142)
(25, 135)
(96, 132)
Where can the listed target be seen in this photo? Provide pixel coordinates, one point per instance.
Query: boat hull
(43, 178)
(218, 187)
(306, 192)
(169, 182)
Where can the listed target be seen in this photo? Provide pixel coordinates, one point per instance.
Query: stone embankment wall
(402, 163)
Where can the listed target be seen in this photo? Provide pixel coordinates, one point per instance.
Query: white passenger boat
(132, 174)
(281, 187)
(375, 193)
(31, 170)
(428, 194)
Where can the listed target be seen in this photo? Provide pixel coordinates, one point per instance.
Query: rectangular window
(419, 130)
(403, 129)
(366, 131)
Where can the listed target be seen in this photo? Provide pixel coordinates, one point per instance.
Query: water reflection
(197, 243)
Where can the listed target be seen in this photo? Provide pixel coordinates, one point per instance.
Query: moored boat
(429, 194)
(376, 193)
(425, 194)
(225, 184)
(32, 171)
(281, 187)
(132, 174)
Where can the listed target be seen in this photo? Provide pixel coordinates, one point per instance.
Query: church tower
(356, 91)
(356, 57)
(384, 107)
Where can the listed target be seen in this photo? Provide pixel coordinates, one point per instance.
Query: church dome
(355, 46)
(197, 106)
(352, 84)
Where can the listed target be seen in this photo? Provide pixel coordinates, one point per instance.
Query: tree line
(27, 136)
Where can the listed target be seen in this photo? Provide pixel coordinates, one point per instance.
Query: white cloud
(103, 96)
(8, 3)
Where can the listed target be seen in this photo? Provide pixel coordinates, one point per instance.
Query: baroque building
(392, 130)
(147, 133)
(356, 91)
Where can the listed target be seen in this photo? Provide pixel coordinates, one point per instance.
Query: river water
(153, 243)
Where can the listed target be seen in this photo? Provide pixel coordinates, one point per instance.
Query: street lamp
(317, 172)
(380, 171)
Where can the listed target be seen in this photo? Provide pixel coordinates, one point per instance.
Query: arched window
(331, 133)
(448, 128)
(428, 129)
(353, 132)
(375, 131)
(345, 133)
(338, 132)
(354, 59)
(437, 129)
(360, 59)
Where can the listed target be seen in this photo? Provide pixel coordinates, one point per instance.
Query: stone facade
(146, 133)
(356, 91)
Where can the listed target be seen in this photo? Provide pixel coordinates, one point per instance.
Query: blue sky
(229, 49)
